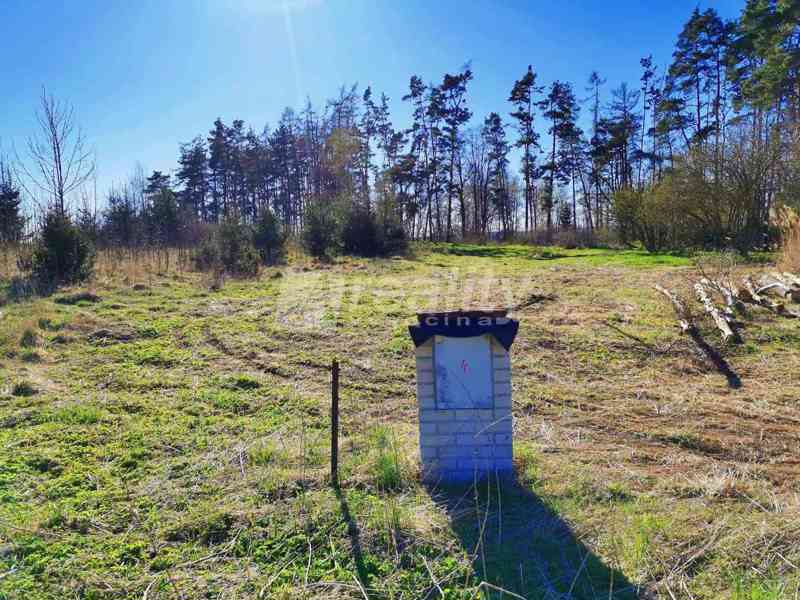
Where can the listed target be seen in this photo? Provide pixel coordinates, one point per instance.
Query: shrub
(236, 250)
(565, 216)
(161, 217)
(229, 248)
(268, 237)
(320, 229)
(245, 263)
(648, 216)
(391, 234)
(29, 339)
(373, 234)
(23, 389)
(206, 257)
(12, 221)
(61, 254)
(360, 232)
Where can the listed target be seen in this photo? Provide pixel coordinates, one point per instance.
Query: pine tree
(565, 216)
(595, 83)
(695, 78)
(455, 115)
(561, 109)
(494, 136)
(218, 171)
(416, 163)
(522, 97)
(368, 129)
(572, 154)
(121, 221)
(282, 144)
(193, 176)
(764, 57)
(436, 179)
(648, 75)
(156, 182)
(615, 146)
(12, 221)
(88, 223)
(236, 196)
(388, 142)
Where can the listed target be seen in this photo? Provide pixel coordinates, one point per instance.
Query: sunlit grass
(165, 423)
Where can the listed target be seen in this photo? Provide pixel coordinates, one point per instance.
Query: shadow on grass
(354, 534)
(497, 251)
(520, 545)
(716, 359)
(22, 289)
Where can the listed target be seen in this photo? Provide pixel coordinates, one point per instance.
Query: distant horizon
(145, 79)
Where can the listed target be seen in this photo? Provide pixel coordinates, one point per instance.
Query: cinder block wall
(455, 445)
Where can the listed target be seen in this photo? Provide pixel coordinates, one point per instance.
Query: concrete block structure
(464, 394)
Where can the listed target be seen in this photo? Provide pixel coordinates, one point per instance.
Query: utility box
(464, 394)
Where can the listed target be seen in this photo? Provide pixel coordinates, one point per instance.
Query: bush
(391, 234)
(206, 257)
(247, 263)
(237, 253)
(23, 389)
(373, 234)
(650, 217)
(360, 232)
(61, 254)
(229, 248)
(29, 339)
(320, 229)
(268, 238)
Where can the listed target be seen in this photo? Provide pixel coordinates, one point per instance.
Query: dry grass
(8, 262)
(789, 222)
(128, 267)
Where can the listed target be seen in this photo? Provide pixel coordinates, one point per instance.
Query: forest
(702, 152)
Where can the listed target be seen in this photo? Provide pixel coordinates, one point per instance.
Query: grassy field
(164, 438)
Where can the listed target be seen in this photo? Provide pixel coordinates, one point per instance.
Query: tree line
(698, 153)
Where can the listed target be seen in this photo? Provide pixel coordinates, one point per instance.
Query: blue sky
(146, 75)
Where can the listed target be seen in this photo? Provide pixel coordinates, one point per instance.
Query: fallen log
(788, 288)
(791, 277)
(684, 320)
(752, 295)
(749, 293)
(721, 321)
(775, 284)
(688, 327)
(728, 291)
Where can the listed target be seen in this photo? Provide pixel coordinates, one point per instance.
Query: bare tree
(60, 160)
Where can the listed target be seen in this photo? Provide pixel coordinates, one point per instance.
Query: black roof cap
(465, 323)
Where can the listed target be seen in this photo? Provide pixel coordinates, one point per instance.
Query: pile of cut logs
(736, 299)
